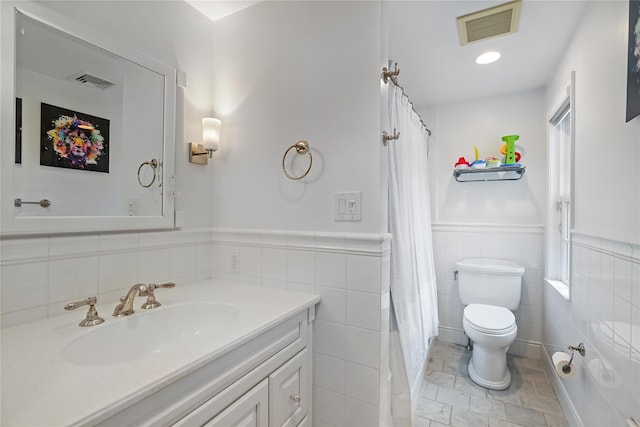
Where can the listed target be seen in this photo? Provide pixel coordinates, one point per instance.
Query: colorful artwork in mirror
(74, 140)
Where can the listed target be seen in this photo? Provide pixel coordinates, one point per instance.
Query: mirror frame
(12, 225)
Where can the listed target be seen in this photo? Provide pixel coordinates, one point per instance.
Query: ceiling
(435, 68)
(217, 9)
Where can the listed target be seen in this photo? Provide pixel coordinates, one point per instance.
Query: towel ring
(302, 147)
(153, 164)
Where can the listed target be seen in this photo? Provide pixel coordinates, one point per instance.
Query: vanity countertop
(40, 388)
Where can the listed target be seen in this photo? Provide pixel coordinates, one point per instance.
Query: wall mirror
(88, 132)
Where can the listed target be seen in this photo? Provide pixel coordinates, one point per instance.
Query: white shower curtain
(413, 282)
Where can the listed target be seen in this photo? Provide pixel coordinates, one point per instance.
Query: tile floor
(448, 397)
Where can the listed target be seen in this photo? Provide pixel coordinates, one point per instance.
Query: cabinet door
(288, 392)
(250, 410)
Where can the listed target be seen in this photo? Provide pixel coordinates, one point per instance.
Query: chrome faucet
(125, 307)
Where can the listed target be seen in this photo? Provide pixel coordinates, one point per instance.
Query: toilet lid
(489, 319)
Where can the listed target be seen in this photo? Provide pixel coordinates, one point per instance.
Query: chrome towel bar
(45, 203)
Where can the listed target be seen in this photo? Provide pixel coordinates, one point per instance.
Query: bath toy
(510, 151)
(492, 162)
(462, 163)
(503, 150)
(477, 163)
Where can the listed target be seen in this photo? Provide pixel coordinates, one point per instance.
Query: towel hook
(390, 75)
(302, 147)
(386, 137)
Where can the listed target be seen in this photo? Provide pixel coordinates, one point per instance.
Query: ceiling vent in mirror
(488, 23)
(90, 80)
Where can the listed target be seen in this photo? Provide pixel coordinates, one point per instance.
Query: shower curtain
(414, 304)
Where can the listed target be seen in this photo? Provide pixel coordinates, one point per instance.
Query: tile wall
(350, 272)
(519, 243)
(40, 275)
(604, 314)
(350, 347)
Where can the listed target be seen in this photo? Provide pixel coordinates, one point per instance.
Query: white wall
(457, 128)
(607, 192)
(285, 71)
(499, 219)
(518, 243)
(604, 311)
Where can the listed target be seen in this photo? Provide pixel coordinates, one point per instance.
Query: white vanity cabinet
(251, 410)
(288, 400)
(279, 400)
(263, 382)
(215, 353)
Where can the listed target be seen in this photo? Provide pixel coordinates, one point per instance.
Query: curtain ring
(302, 147)
(153, 164)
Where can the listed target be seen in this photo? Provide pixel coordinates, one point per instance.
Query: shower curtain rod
(388, 75)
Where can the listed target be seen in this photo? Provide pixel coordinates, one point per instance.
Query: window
(559, 221)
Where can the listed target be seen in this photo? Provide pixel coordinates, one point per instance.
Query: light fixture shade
(211, 133)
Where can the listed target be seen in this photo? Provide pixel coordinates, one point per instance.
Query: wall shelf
(502, 173)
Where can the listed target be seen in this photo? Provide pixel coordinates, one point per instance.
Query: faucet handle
(151, 298)
(152, 287)
(92, 317)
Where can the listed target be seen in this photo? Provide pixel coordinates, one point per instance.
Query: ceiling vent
(489, 23)
(90, 80)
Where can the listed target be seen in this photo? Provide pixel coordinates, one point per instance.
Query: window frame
(560, 174)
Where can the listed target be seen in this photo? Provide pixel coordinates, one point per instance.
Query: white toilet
(490, 289)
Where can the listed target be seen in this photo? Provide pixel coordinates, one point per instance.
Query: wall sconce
(201, 153)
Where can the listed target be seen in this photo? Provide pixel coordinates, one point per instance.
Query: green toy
(510, 152)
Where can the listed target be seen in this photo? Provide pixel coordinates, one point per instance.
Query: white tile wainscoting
(604, 314)
(39, 275)
(350, 271)
(350, 348)
(522, 244)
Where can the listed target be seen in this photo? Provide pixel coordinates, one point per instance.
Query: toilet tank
(490, 281)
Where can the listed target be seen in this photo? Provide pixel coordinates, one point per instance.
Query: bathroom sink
(145, 333)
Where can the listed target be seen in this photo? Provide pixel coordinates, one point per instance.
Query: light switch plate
(348, 206)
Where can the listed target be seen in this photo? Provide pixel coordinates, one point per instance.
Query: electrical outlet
(235, 262)
(133, 204)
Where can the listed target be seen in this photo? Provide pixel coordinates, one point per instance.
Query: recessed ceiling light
(488, 58)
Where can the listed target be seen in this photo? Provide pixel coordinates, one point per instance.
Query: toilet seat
(490, 319)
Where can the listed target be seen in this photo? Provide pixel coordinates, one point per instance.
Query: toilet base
(502, 384)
